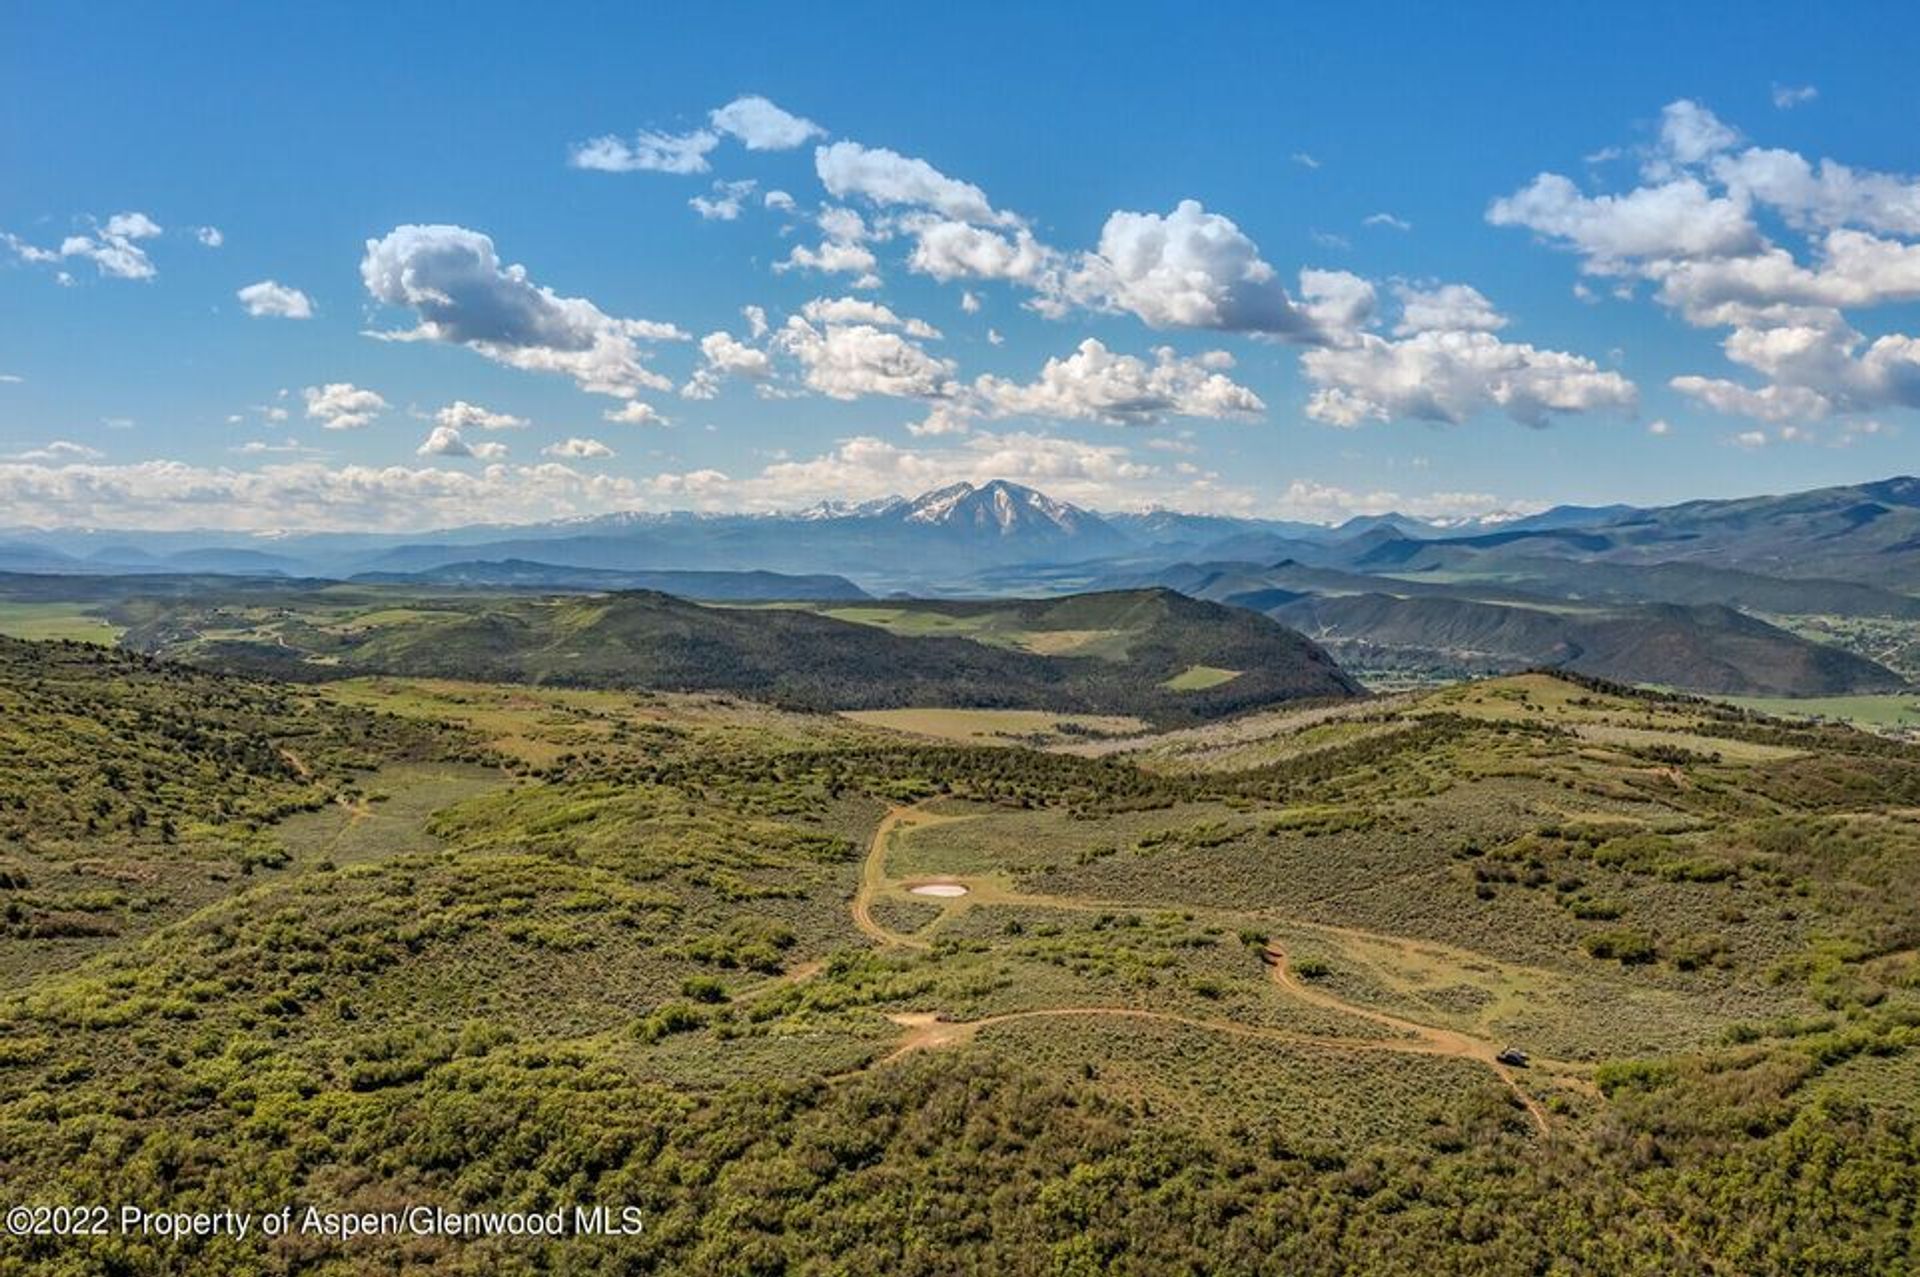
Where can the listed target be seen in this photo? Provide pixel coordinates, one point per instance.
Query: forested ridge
(639, 639)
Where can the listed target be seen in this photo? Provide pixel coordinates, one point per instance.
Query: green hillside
(1224, 999)
(1702, 648)
(1867, 533)
(131, 789)
(1096, 654)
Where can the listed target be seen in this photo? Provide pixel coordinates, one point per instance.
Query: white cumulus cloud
(888, 178)
(860, 310)
(1692, 230)
(1449, 376)
(1095, 384)
(1187, 269)
(949, 250)
(446, 441)
(341, 405)
(1676, 219)
(762, 126)
(461, 415)
(270, 299)
(1689, 134)
(842, 251)
(848, 361)
(835, 258)
(1446, 308)
(578, 449)
(114, 247)
(725, 203)
(635, 412)
(454, 280)
(725, 355)
(646, 152)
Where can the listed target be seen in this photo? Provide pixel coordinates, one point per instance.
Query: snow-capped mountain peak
(939, 505)
(1010, 508)
(851, 509)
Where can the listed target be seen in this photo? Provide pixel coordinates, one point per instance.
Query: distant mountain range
(967, 538)
(942, 535)
(937, 539)
(1757, 577)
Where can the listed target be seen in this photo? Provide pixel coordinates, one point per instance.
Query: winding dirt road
(929, 1030)
(1442, 1041)
(873, 879)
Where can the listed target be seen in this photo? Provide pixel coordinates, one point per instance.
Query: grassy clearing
(913, 622)
(1207, 1076)
(1111, 644)
(997, 726)
(1251, 740)
(44, 621)
(1901, 711)
(1743, 751)
(390, 817)
(1197, 678)
(994, 628)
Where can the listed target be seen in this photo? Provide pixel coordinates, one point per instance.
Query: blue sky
(1062, 246)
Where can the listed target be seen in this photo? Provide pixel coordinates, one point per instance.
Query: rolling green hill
(1182, 1008)
(1099, 654)
(1710, 649)
(1465, 625)
(175, 775)
(1867, 533)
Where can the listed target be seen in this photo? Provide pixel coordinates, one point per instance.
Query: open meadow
(56, 621)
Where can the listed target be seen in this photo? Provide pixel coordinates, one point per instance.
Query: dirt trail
(873, 879)
(929, 1030)
(1444, 1041)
